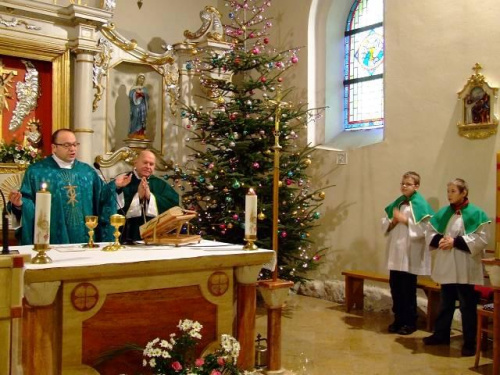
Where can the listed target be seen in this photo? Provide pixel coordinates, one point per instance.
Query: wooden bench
(354, 293)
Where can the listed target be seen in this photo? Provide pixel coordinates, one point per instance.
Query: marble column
(82, 109)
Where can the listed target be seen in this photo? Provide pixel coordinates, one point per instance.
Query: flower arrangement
(19, 153)
(175, 355)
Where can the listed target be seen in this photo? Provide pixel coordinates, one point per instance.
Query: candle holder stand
(41, 257)
(250, 243)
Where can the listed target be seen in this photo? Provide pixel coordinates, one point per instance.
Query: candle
(42, 217)
(251, 214)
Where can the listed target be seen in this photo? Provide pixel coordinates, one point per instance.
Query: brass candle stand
(250, 242)
(91, 223)
(116, 221)
(41, 257)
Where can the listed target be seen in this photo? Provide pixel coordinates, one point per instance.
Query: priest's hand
(123, 180)
(16, 198)
(143, 189)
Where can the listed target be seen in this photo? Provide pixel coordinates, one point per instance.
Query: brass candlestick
(41, 257)
(117, 221)
(250, 243)
(91, 223)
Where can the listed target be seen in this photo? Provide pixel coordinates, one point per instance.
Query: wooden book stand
(165, 229)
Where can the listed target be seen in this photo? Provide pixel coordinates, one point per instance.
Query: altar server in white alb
(407, 252)
(458, 234)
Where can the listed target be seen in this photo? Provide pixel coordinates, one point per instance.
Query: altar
(88, 302)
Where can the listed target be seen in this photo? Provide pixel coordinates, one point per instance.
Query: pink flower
(221, 361)
(216, 372)
(199, 362)
(176, 366)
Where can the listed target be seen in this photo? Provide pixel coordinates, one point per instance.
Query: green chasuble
(166, 197)
(472, 216)
(419, 207)
(76, 193)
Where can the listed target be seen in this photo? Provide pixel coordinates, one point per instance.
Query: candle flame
(251, 191)
(43, 186)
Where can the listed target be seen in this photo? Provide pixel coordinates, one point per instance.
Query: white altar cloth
(75, 255)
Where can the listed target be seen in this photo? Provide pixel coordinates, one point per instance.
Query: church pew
(354, 293)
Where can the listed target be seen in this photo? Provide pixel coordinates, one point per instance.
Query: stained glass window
(364, 66)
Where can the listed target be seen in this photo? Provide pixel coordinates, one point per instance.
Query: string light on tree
(233, 138)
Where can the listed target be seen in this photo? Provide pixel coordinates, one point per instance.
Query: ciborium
(116, 221)
(91, 223)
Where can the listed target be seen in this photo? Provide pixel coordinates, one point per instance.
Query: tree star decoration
(28, 93)
(6, 77)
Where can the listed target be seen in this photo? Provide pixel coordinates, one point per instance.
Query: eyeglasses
(406, 185)
(67, 146)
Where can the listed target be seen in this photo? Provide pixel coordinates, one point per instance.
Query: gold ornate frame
(477, 104)
(60, 58)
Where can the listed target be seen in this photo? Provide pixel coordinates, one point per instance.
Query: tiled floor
(320, 338)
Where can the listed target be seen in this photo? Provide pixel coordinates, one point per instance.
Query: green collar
(472, 216)
(419, 207)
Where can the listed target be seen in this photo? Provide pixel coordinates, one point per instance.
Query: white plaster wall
(157, 23)
(431, 47)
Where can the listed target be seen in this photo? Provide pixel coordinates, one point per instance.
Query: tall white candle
(251, 214)
(42, 217)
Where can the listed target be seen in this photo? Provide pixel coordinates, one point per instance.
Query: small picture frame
(477, 104)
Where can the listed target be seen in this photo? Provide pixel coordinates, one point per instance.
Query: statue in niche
(139, 101)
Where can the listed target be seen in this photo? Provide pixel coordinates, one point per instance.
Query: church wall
(431, 48)
(154, 26)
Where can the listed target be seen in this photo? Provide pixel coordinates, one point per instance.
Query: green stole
(420, 209)
(472, 216)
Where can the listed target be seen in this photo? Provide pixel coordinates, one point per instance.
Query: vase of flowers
(20, 154)
(175, 355)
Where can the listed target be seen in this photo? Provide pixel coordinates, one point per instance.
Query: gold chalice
(91, 223)
(117, 221)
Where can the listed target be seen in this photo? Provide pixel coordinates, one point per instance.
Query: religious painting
(26, 109)
(477, 102)
(135, 114)
(34, 92)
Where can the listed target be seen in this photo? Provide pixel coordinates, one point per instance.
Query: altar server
(407, 256)
(459, 235)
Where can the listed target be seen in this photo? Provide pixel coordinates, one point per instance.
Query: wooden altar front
(88, 302)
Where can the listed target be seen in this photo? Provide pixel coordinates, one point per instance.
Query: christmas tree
(233, 143)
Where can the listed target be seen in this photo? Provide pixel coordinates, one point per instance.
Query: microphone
(5, 229)
(120, 208)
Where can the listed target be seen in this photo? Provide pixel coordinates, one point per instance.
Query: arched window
(364, 66)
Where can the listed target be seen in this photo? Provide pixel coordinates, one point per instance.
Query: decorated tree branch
(232, 141)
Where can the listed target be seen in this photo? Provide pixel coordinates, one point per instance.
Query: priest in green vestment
(76, 191)
(144, 196)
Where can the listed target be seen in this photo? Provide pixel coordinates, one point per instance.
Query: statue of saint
(32, 135)
(139, 100)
